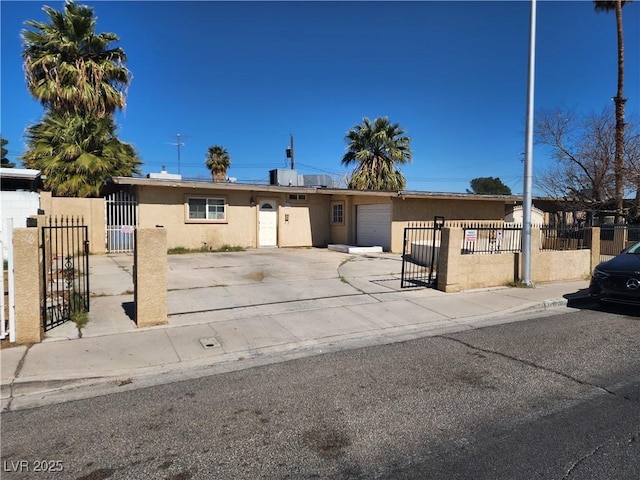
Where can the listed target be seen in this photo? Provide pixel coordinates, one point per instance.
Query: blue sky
(246, 75)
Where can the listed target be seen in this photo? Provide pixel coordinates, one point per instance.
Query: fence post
(448, 262)
(593, 241)
(26, 264)
(619, 238)
(150, 276)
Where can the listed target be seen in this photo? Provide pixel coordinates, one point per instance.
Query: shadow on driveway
(130, 310)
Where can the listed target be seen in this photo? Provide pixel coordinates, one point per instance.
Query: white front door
(268, 223)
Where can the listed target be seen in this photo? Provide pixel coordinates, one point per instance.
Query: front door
(268, 223)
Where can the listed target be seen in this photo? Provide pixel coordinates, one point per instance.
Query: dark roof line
(233, 186)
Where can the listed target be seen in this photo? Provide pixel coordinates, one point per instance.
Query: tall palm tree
(616, 6)
(69, 67)
(376, 149)
(77, 152)
(81, 82)
(218, 161)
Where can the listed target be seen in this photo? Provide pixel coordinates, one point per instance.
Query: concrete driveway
(229, 285)
(201, 282)
(299, 292)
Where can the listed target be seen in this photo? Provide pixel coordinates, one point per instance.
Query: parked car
(618, 280)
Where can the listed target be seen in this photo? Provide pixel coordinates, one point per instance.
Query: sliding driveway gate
(65, 270)
(420, 254)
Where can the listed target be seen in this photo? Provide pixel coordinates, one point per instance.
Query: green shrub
(204, 248)
(177, 250)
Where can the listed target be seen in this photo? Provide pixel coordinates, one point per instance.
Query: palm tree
(77, 152)
(616, 6)
(5, 161)
(377, 148)
(71, 68)
(81, 82)
(218, 161)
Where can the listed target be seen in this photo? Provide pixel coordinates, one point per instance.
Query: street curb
(32, 392)
(555, 302)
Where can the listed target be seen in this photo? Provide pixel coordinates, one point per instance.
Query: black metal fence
(507, 238)
(616, 237)
(420, 253)
(608, 232)
(65, 270)
(563, 237)
(496, 238)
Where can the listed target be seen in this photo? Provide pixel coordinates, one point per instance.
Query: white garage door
(373, 226)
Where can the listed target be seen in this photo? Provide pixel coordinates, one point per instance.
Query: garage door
(373, 226)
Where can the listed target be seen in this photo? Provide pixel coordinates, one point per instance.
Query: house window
(206, 209)
(297, 196)
(337, 213)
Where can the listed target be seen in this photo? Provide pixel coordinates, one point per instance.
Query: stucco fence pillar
(150, 276)
(27, 285)
(593, 241)
(449, 260)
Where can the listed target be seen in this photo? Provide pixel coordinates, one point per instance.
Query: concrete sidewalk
(237, 310)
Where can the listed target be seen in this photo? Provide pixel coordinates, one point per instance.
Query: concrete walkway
(235, 310)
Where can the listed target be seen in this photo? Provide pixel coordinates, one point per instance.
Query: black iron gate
(420, 254)
(65, 270)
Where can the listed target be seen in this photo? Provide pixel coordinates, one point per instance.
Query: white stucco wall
(516, 216)
(17, 206)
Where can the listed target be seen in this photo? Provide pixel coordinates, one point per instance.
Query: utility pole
(290, 151)
(528, 160)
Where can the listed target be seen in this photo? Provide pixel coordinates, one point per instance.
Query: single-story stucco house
(205, 214)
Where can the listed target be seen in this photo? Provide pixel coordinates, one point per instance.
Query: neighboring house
(209, 215)
(516, 216)
(19, 200)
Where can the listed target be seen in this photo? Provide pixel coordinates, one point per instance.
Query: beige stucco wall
(300, 222)
(91, 210)
(560, 265)
(304, 223)
(409, 210)
(478, 271)
(167, 207)
(423, 210)
(458, 272)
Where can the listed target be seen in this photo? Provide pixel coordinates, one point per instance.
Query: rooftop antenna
(179, 143)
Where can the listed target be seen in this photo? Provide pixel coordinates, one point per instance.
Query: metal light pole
(528, 160)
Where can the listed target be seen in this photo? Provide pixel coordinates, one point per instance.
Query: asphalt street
(550, 398)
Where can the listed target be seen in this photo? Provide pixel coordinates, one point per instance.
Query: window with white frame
(337, 213)
(206, 209)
